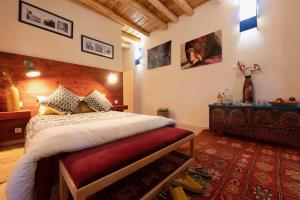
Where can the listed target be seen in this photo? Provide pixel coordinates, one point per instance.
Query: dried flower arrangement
(12, 93)
(247, 71)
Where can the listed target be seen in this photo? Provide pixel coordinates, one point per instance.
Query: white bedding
(51, 135)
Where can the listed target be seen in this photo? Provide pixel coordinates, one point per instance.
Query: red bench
(87, 172)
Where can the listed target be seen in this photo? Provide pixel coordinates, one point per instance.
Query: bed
(50, 137)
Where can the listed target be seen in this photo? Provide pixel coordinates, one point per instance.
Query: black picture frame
(93, 49)
(63, 26)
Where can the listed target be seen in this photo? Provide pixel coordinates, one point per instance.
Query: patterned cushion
(62, 101)
(97, 101)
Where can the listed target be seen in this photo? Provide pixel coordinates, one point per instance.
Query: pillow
(83, 108)
(62, 101)
(45, 110)
(97, 101)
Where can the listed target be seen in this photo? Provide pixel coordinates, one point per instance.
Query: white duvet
(91, 130)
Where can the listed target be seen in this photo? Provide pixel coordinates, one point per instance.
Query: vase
(12, 99)
(248, 90)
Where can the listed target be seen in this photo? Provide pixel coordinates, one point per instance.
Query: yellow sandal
(178, 193)
(189, 184)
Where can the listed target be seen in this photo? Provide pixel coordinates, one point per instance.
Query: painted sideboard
(279, 124)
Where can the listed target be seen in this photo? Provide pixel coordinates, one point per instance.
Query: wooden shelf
(15, 115)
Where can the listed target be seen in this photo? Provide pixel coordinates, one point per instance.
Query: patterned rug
(243, 168)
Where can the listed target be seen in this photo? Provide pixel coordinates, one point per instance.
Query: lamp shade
(31, 70)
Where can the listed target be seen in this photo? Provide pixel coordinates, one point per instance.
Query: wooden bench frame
(66, 183)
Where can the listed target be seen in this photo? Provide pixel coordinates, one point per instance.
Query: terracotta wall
(80, 79)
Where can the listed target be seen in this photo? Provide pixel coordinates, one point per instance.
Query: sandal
(188, 183)
(202, 172)
(177, 193)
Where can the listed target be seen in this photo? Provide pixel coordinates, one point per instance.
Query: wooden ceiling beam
(145, 12)
(185, 7)
(129, 37)
(164, 10)
(112, 15)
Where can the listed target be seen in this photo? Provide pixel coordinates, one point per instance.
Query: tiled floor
(8, 158)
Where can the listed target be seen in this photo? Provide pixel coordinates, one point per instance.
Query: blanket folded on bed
(50, 135)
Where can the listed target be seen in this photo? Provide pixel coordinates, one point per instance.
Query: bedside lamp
(31, 70)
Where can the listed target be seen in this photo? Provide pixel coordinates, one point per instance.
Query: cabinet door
(7, 128)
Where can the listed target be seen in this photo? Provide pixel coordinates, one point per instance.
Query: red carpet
(244, 169)
(248, 169)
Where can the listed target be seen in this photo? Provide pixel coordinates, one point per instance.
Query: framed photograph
(204, 50)
(159, 56)
(34, 16)
(96, 47)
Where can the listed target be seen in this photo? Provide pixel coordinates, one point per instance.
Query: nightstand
(120, 108)
(12, 127)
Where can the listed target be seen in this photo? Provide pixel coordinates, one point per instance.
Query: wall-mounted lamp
(248, 14)
(31, 70)
(112, 78)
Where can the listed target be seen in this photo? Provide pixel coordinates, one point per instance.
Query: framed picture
(34, 16)
(204, 50)
(96, 47)
(159, 56)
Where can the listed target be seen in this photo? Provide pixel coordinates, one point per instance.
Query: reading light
(31, 70)
(248, 14)
(112, 78)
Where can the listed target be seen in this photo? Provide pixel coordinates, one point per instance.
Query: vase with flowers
(12, 93)
(247, 71)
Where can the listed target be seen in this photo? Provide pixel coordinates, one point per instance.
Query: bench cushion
(89, 165)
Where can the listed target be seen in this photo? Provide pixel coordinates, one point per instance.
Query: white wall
(128, 77)
(275, 46)
(20, 38)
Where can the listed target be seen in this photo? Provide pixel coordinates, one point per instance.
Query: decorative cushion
(97, 101)
(45, 110)
(62, 101)
(83, 108)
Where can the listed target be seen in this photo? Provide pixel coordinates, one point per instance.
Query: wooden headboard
(78, 78)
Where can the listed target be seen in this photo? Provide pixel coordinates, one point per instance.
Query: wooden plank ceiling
(141, 17)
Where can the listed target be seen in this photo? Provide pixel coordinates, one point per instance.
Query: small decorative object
(12, 94)
(281, 102)
(163, 111)
(159, 56)
(96, 47)
(34, 16)
(219, 98)
(248, 90)
(202, 51)
(227, 97)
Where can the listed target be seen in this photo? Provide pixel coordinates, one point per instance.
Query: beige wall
(128, 76)
(20, 38)
(275, 46)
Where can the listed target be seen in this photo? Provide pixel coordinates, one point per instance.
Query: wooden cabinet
(271, 123)
(120, 108)
(12, 126)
